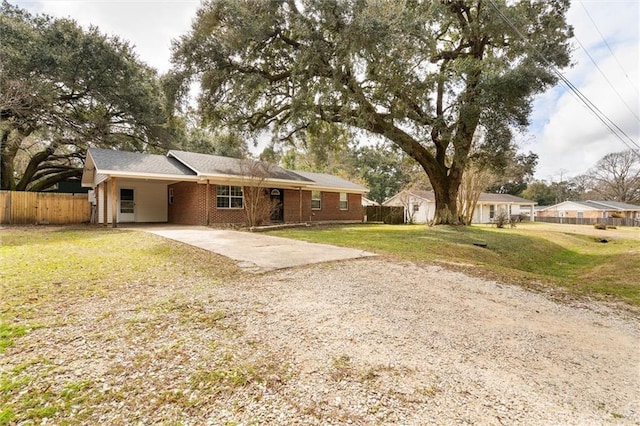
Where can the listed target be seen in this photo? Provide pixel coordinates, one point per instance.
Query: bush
(502, 218)
(600, 225)
(394, 218)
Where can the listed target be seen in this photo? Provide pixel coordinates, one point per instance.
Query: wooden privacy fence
(42, 208)
(386, 214)
(609, 221)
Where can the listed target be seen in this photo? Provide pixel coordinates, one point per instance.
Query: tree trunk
(446, 193)
(32, 167)
(7, 156)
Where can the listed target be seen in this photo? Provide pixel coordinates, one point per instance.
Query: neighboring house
(199, 189)
(68, 187)
(367, 202)
(420, 206)
(591, 210)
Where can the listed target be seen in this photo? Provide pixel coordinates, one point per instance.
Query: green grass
(46, 271)
(43, 268)
(8, 333)
(527, 255)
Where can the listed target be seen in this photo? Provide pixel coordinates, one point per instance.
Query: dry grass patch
(116, 326)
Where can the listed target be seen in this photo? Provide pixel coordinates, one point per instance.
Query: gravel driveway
(375, 341)
(362, 342)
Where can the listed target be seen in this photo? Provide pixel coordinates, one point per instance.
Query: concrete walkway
(255, 252)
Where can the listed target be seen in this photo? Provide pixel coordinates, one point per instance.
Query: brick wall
(224, 216)
(587, 214)
(292, 206)
(329, 211)
(189, 207)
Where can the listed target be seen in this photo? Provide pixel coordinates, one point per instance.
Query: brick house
(590, 210)
(199, 189)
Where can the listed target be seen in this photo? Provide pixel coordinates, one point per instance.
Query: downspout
(300, 205)
(207, 199)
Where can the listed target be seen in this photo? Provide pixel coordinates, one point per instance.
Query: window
(492, 211)
(344, 201)
(126, 200)
(316, 200)
(170, 195)
(229, 197)
(580, 215)
(416, 207)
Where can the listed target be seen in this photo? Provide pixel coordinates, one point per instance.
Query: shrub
(600, 225)
(394, 218)
(502, 218)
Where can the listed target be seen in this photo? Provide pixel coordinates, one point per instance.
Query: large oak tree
(423, 74)
(64, 88)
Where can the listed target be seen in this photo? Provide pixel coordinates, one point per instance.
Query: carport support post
(114, 204)
(104, 204)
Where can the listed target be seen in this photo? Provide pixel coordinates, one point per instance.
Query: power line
(606, 79)
(604, 119)
(609, 47)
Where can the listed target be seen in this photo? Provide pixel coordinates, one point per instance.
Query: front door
(126, 212)
(277, 203)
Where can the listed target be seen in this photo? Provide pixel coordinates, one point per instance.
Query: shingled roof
(193, 166)
(205, 164)
(108, 160)
(324, 180)
(485, 197)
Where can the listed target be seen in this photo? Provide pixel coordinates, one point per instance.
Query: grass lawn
(531, 255)
(138, 284)
(113, 326)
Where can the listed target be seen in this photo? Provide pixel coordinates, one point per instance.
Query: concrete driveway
(255, 252)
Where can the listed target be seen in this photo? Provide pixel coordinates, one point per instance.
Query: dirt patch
(358, 342)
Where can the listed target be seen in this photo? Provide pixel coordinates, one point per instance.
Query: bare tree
(258, 206)
(616, 177)
(407, 200)
(474, 180)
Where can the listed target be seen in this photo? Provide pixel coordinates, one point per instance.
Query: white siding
(425, 211)
(150, 200)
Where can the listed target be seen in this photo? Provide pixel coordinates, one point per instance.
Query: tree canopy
(616, 177)
(425, 75)
(63, 89)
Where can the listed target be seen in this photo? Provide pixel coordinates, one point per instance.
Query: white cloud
(150, 25)
(569, 138)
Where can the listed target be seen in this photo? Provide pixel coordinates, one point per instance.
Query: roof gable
(106, 159)
(571, 205)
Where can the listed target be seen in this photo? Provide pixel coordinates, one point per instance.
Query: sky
(568, 138)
